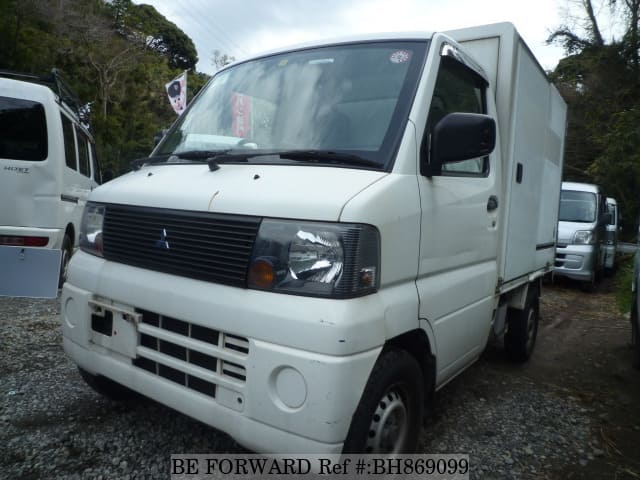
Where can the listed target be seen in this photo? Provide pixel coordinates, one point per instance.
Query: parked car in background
(613, 227)
(582, 232)
(635, 310)
(48, 167)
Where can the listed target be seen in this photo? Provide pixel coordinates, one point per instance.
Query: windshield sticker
(320, 61)
(283, 62)
(400, 56)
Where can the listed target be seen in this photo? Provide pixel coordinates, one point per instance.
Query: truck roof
(417, 35)
(365, 37)
(580, 187)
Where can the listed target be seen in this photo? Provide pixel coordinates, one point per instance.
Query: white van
(328, 234)
(48, 166)
(613, 227)
(582, 233)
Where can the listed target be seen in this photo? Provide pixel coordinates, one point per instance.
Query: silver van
(582, 232)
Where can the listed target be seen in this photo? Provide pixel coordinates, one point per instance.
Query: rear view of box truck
(303, 275)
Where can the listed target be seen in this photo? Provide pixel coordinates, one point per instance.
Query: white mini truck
(328, 234)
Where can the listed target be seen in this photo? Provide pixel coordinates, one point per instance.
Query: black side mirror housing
(460, 136)
(605, 218)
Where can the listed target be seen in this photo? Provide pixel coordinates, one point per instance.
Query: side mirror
(460, 136)
(605, 218)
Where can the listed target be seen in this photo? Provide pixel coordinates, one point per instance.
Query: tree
(220, 59)
(143, 22)
(600, 82)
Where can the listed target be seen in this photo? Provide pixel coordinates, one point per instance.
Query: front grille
(194, 356)
(204, 246)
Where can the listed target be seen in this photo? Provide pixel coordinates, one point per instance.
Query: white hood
(286, 191)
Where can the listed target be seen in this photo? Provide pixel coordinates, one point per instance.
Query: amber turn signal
(261, 274)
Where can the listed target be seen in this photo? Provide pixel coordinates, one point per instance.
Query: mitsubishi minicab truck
(48, 166)
(582, 233)
(327, 235)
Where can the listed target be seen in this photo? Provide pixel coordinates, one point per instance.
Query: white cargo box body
(531, 121)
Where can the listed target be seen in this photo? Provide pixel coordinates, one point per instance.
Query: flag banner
(177, 91)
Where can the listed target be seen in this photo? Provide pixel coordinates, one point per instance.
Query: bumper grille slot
(199, 245)
(190, 344)
(233, 370)
(238, 344)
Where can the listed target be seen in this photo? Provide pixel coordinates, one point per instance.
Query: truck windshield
(23, 130)
(577, 206)
(352, 99)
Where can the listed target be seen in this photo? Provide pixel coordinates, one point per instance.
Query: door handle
(492, 203)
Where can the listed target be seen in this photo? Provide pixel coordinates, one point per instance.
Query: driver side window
(458, 89)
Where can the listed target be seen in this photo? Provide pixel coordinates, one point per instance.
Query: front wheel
(522, 328)
(389, 415)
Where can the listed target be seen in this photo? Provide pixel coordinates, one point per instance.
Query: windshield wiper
(322, 156)
(204, 155)
(194, 156)
(319, 156)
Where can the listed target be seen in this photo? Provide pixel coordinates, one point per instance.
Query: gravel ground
(526, 421)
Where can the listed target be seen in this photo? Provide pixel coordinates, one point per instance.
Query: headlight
(91, 229)
(583, 237)
(316, 259)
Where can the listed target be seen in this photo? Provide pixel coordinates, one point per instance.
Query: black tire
(522, 328)
(107, 388)
(635, 332)
(67, 250)
(388, 418)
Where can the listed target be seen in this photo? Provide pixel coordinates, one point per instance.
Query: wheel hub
(388, 428)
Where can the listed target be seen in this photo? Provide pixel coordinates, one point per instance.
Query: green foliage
(157, 33)
(116, 55)
(601, 85)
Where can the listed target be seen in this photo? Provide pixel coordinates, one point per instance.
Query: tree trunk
(594, 28)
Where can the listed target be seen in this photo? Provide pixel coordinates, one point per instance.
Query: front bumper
(280, 374)
(575, 261)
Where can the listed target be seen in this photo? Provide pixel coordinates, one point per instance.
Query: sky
(242, 28)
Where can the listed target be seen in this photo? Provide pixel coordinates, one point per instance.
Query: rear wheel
(107, 388)
(389, 416)
(67, 250)
(522, 328)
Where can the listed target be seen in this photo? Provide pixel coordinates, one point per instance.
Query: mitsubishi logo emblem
(162, 243)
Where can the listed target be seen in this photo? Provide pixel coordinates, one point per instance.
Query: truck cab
(328, 234)
(582, 232)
